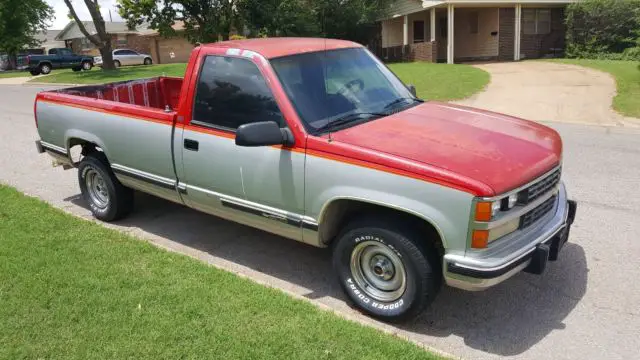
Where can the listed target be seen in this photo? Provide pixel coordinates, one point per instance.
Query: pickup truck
(318, 141)
(58, 58)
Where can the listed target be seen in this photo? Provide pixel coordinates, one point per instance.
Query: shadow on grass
(505, 320)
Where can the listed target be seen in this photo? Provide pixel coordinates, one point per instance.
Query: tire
(34, 72)
(372, 256)
(148, 61)
(44, 69)
(107, 198)
(116, 63)
(86, 66)
(76, 69)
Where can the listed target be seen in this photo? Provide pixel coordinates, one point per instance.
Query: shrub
(603, 28)
(237, 37)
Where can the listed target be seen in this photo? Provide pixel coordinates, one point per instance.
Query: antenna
(324, 54)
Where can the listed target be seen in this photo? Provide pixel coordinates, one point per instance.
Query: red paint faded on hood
(497, 150)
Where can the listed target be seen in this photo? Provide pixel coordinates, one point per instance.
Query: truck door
(65, 59)
(259, 186)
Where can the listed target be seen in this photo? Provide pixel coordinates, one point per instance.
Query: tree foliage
(212, 20)
(19, 23)
(204, 20)
(602, 28)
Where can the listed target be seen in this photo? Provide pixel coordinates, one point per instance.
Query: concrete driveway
(584, 307)
(547, 91)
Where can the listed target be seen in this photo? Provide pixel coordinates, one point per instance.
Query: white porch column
(518, 31)
(405, 31)
(450, 27)
(432, 24)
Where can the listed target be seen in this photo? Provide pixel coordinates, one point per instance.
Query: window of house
(232, 92)
(473, 22)
(536, 21)
(86, 44)
(121, 40)
(418, 31)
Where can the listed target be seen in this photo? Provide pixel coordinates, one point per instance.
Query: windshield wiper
(401, 100)
(347, 119)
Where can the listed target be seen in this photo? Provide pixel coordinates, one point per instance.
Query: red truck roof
(276, 47)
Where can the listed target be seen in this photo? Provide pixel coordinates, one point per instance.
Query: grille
(539, 188)
(538, 212)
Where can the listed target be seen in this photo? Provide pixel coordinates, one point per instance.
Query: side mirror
(412, 89)
(263, 133)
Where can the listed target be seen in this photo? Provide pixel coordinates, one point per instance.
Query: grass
(433, 81)
(72, 289)
(627, 75)
(442, 81)
(13, 74)
(98, 76)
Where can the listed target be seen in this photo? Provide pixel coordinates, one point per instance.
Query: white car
(123, 57)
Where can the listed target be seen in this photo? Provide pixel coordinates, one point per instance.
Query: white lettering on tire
(360, 295)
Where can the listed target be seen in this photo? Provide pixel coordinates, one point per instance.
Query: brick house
(464, 30)
(121, 38)
(165, 50)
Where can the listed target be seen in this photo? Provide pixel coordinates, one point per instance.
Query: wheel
(148, 61)
(34, 72)
(87, 66)
(45, 69)
(107, 198)
(116, 63)
(384, 269)
(76, 69)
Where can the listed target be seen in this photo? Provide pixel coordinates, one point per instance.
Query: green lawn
(627, 75)
(72, 289)
(433, 81)
(13, 74)
(442, 81)
(98, 76)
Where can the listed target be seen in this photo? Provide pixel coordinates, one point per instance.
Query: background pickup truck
(58, 58)
(316, 140)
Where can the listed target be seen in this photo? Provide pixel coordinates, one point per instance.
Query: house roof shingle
(72, 31)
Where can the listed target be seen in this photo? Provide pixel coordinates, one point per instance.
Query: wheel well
(44, 63)
(79, 148)
(340, 212)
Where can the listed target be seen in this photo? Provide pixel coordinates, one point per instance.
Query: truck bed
(159, 92)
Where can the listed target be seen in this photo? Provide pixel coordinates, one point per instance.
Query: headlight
(481, 238)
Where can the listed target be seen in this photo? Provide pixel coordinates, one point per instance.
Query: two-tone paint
(432, 161)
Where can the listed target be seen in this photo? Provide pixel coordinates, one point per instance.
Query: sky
(61, 11)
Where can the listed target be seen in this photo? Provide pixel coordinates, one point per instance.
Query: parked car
(318, 141)
(58, 58)
(124, 57)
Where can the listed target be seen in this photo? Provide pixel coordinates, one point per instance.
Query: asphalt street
(586, 305)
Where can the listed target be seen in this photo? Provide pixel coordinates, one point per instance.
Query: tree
(100, 39)
(280, 17)
(343, 19)
(204, 20)
(20, 21)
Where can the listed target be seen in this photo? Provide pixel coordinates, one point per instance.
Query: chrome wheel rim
(97, 188)
(378, 271)
(86, 66)
(45, 69)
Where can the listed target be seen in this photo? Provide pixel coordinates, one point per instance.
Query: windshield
(340, 85)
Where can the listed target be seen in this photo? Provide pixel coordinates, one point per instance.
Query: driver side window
(232, 92)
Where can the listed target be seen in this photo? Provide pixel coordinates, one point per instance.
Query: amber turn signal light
(483, 211)
(479, 239)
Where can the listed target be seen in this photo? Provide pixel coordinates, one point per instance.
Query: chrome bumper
(479, 270)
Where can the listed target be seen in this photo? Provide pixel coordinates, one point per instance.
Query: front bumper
(527, 250)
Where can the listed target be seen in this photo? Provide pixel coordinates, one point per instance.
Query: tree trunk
(12, 62)
(107, 56)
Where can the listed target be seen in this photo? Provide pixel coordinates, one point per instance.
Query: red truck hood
(497, 150)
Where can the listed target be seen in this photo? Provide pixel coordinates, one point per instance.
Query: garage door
(174, 50)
